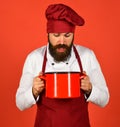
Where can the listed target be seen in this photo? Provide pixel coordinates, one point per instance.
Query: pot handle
(42, 77)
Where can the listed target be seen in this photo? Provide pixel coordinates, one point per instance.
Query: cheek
(68, 42)
(53, 40)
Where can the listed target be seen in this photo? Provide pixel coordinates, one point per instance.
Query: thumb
(41, 76)
(83, 75)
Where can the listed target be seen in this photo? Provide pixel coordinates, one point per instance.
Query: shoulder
(87, 55)
(39, 52)
(82, 50)
(88, 58)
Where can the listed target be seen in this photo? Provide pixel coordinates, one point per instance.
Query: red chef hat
(61, 18)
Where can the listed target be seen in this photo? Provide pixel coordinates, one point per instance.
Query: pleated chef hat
(61, 19)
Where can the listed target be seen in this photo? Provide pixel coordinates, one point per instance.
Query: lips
(61, 50)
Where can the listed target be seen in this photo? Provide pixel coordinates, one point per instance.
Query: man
(61, 55)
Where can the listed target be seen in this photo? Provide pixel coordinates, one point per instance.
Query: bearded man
(61, 55)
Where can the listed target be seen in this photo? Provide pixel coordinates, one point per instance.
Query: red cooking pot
(62, 84)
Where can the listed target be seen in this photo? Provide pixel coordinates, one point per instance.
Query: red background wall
(23, 28)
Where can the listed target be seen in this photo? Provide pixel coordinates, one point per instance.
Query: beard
(60, 56)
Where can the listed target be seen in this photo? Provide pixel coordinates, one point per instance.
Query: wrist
(88, 92)
(35, 93)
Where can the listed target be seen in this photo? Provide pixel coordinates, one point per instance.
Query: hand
(38, 86)
(86, 85)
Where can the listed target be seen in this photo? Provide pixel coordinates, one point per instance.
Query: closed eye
(56, 34)
(67, 34)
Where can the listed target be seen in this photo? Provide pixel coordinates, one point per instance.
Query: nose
(61, 40)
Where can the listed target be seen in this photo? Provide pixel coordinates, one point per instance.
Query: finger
(40, 73)
(82, 77)
(42, 77)
(38, 79)
(39, 89)
(85, 77)
(84, 72)
(84, 87)
(85, 82)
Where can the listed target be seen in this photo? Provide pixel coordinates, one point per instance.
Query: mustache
(61, 46)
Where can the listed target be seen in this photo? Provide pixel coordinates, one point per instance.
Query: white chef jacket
(33, 66)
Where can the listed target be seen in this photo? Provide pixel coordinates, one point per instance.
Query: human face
(60, 45)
